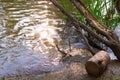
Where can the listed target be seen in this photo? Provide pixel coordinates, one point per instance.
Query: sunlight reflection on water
(28, 30)
(41, 34)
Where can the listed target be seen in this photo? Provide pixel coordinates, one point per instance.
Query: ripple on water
(28, 29)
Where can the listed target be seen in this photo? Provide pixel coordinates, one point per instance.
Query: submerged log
(96, 65)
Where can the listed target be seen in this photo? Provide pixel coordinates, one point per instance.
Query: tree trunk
(97, 30)
(96, 65)
(116, 50)
(117, 5)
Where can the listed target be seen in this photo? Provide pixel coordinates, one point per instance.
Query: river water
(28, 33)
(29, 30)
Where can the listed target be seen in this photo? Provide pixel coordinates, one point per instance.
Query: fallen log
(96, 65)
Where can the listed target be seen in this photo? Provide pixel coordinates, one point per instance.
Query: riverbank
(75, 70)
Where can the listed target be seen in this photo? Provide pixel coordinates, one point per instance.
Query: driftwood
(96, 65)
(96, 29)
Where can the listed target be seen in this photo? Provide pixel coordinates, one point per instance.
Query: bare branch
(78, 24)
(86, 41)
(110, 38)
(102, 29)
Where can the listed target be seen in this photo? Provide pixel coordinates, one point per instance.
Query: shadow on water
(28, 33)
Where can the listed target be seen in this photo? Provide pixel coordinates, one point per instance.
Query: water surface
(28, 33)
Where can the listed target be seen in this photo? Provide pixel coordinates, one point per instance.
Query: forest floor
(75, 70)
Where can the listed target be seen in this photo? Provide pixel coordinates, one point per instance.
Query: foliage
(104, 10)
(71, 9)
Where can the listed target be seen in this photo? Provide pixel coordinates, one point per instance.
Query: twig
(86, 41)
(81, 25)
(102, 29)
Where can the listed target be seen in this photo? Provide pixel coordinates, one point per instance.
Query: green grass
(104, 11)
(71, 9)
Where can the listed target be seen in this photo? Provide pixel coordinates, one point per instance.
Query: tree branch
(102, 29)
(86, 41)
(78, 24)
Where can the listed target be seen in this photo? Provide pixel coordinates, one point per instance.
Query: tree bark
(117, 5)
(116, 50)
(100, 32)
(96, 65)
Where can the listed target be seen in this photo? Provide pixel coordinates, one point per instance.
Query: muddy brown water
(29, 30)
